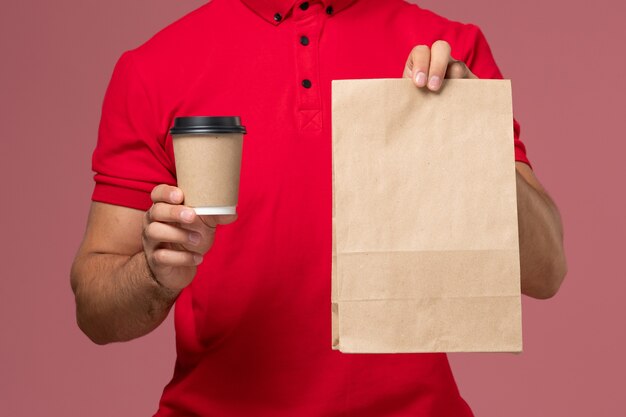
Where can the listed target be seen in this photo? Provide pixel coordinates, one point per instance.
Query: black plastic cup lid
(207, 124)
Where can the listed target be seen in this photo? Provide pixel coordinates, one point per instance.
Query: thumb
(213, 220)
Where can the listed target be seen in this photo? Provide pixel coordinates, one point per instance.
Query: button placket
(309, 19)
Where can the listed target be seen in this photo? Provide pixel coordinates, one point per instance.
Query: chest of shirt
(278, 79)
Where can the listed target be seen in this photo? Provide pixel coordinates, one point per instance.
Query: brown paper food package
(425, 240)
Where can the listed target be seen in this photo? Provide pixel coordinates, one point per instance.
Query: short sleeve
(480, 61)
(130, 158)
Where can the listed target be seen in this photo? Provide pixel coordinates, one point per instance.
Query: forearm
(543, 264)
(116, 297)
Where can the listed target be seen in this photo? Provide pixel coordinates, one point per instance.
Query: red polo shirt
(253, 330)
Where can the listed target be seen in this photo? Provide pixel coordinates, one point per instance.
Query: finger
(439, 59)
(157, 233)
(175, 258)
(417, 64)
(168, 258)
(198, 239)
(167, 194)
(458, 69)
(168, 213)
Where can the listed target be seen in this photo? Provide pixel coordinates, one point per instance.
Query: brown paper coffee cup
(208, 151)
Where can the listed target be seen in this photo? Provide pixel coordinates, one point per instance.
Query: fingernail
(420, 79)
(194, 238)
(175, 196)
(197, 259)
(186, 215)
(434, 83)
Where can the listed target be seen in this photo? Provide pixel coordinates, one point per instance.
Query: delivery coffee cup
(207, 151)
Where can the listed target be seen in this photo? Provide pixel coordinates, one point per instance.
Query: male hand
(427, 67)
(175, 238)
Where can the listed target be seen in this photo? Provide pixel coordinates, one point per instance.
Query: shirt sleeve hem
(120, 196)
(521, 157)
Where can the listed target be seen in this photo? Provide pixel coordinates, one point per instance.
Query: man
(252, 300)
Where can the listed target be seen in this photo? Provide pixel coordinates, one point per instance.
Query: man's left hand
(428, 67)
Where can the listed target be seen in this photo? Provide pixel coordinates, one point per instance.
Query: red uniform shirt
(253, 330)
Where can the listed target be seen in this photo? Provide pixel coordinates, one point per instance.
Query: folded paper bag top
(425, 240)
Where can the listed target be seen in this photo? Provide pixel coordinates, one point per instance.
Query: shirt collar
(275, 11)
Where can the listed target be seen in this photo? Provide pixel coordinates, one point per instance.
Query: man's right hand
(132, 264)
(175, 239)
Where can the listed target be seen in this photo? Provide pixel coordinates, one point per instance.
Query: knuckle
(156, 192)
(441, 44)
(158, 211)
(457, 70)
(153, 213)
(148, 231)
(420, 51)
(150, 214)
(160, 192)
(174, 211)
(419, 57)
(160, 257)
(204, 243)
(156, 257)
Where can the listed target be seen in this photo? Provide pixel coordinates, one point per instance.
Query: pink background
(567, 64)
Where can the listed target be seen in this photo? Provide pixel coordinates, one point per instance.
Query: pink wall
(566, 60)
